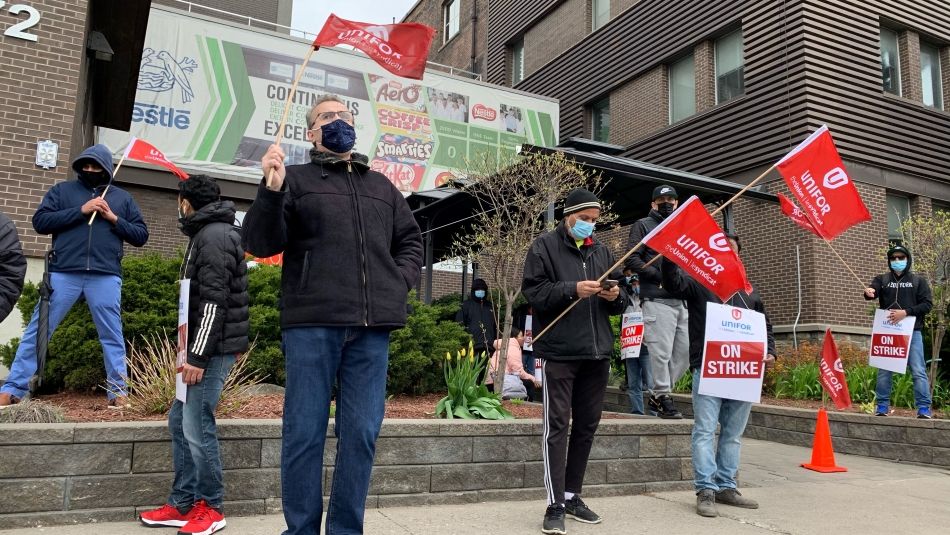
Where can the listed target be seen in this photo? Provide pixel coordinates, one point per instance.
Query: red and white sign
(481, 111)
(184, 294)
(692, 239)
(631, 334)
(796, 214)
(816, 175)
(831, 373)
(528, 343)
(538, 372)
(890, 342)
(734, 353)
(145, 152)
(401, 49)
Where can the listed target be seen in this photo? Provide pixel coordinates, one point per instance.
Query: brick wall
(39, 82)
(458, 51)
(908, 43)
(705, 61)
(556, 32)
(640, 107)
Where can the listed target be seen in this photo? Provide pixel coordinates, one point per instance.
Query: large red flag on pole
(815, 173)
(145, 152)
(832, 373)
(691, 238)
(401, 49)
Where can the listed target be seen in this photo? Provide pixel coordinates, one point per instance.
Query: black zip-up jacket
(651, 281)
(907, 291)
(552, 269)
(12, 266)
(696, 295)
(477, 317)
(218, 302)
(352, 249)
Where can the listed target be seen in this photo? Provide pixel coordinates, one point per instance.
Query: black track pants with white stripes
(570, 387)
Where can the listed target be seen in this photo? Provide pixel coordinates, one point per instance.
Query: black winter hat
(897, 249)
(479, 284)
(580, 199)
(664, 190)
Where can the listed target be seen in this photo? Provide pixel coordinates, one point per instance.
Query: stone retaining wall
(76, 473)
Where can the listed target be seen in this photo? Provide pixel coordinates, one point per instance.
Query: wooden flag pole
(103, 196)
(290, 100)
(856, 277)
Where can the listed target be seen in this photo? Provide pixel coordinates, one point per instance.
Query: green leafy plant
(801, 382)
(685, 383)
(467, 397)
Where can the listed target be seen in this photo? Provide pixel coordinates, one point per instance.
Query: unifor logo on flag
(145, 152)
(692, 239)
(832, 373)
(796, 214)
(816, 175)
(401, 49)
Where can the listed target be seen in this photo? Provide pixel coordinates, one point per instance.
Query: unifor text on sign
(734, 353)
(890, 342)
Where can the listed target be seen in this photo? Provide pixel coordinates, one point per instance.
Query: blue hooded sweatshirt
(78, 246)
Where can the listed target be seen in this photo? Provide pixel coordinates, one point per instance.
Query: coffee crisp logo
(736, 314)
(481, 111)
(835, 178)
(718, 242)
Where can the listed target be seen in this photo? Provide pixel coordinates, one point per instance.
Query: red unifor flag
(145, 152)
(401, 49)
(692, 239)
(796, 214)
(816, 175)
(832, 373)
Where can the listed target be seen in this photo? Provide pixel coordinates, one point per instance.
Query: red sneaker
(204, 520)
(165, 515)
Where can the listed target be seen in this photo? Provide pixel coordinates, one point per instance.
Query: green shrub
(799, 382)
(861, 381)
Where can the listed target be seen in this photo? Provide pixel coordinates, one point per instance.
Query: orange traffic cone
(822, 452)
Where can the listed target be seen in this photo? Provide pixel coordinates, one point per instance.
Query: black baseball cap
(664, 191)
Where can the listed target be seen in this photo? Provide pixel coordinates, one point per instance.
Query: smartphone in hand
(607, 284)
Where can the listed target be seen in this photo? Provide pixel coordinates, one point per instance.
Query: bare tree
(512, 198)
(929, 236)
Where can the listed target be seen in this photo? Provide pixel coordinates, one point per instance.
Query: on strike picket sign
(184, 293)
(631, 334)
(733, 365)
(890, 342)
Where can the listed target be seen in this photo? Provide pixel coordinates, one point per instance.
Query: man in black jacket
(715, 463)
(216, 275)
(478, 317)
(12, 266)
(562, 267)
(352, 250)
(665, 318)
(904, 294)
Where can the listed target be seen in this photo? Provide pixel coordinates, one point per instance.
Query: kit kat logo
(481, 111)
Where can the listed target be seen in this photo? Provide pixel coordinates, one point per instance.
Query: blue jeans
(918, 368)
(639, 376)
(715, 466)
(103, 293)
(527, 361)
(355, 359)
(195, 453)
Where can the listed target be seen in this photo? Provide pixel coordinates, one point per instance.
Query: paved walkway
(873, 497)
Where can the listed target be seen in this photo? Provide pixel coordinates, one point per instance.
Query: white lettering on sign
(18, 30)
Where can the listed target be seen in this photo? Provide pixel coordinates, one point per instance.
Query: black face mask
(665, 209)
(94, 179)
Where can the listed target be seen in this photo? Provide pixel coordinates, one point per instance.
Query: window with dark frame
(517, 61)
(682, 89)
(890, 62)
(600, 14)
(600, 120)
(898, 211)
(930, 75)
(730, 82)
(451, 12)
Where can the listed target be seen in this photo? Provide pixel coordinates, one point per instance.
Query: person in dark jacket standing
(665, 318)
(216, 272)
(478, 317)
(715, 462)
(905, 294)
(562, 267)
(352, 250)
(87, 262)
(12, 266)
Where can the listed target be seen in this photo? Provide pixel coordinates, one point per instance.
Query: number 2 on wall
(17, 30)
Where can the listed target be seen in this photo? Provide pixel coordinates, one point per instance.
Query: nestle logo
(481, 111)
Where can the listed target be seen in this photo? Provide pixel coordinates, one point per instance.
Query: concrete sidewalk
(875, 496)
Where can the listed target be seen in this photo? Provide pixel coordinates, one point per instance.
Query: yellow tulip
(462, 352)
(448, 356)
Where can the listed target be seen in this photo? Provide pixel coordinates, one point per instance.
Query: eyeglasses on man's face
(327, 116)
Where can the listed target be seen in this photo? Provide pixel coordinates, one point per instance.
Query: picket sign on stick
(290, 99)
(114, 172)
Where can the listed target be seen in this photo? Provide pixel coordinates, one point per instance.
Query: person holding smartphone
(562, 266)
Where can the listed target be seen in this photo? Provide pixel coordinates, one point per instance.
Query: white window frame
(450, 30)
(938, 90)
(669, 88)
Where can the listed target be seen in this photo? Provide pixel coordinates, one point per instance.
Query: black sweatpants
(571, 388)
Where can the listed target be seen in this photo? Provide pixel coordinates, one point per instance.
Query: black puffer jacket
(651, 281)
(12, 266)
(352, 249)
(907, 291)
(478, 318)
(552, 269)
(218, 301)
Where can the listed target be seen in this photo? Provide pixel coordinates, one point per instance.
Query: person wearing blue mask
(905, 294)
(478, 317)
(352, 251)
(561, 267)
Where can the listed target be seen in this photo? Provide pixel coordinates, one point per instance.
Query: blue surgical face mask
(582, 229)
(480, 294)
(899, 265)
(338, 136)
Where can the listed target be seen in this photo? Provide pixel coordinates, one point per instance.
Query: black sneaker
(653, 405)
(554, 520)
(667, 409)
(578, 510)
